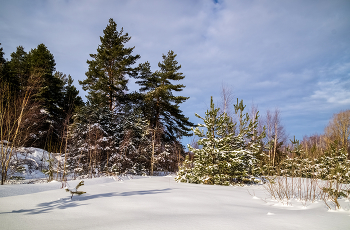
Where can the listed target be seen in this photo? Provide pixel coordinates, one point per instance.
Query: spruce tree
(107, 75)
(95, 134)
(51, 101)
(113, 143)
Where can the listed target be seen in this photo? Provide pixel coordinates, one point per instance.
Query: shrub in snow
(225, 157)
(326, 178)
(75, 190)
(335, 168)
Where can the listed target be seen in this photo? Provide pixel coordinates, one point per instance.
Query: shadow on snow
(65, 203)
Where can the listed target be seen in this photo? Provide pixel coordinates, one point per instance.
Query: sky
(293, 56)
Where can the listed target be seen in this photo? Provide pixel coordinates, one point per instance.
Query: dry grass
(306, 190)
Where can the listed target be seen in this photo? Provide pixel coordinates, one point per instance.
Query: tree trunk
(65, 156)
(152, 157)
(275, 145)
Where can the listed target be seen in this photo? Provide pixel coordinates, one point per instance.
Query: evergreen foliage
(52, 99)
(110, 113)
(70, 100)
(47, 92)
(5, 77)
(42, 68)
(161, 106)
(2, 59)
(334, 165)
(225, 157)
(19, 68)
(106, 78)
(104, 141)
(140, 132)
(114, 132)
(2, 63)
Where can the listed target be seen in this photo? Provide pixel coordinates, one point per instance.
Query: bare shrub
(284, 189)
(13, 112)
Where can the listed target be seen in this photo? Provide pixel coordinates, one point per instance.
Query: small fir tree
(225, 157)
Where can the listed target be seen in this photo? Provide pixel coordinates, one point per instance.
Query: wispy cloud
(334, 92)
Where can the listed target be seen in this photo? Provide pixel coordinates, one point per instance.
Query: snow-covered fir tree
(226, 155)
(107, 142)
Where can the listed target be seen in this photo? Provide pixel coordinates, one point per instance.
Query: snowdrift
(157, 203)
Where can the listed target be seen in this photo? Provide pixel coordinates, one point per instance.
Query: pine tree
(225, 157)
(2, 64)
(109, 108)
(70, 100)
(106, 78)
(19, 68)
(95, 134)
(48, 92)
(42, 69)
(161, 107)
(5, 76)
(158, 88)
(2, 59)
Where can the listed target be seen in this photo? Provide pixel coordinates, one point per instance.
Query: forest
(115, 131)
(121, 132)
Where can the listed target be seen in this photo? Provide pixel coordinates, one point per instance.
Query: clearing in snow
(157, 203)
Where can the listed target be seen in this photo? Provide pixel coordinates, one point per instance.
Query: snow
(157, 203)
(37, 157)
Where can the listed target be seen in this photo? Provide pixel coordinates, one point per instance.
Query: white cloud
(333, 92)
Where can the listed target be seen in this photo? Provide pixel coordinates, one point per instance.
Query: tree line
(115, 131)
(237, 147)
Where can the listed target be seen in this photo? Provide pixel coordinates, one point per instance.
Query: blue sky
(290, 55)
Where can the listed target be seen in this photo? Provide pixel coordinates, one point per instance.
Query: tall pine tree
(107, 75)
(56, 100)
(161, 106)
(47, 92)
(109, 108)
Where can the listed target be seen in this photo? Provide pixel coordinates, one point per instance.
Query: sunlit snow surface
(156, 203)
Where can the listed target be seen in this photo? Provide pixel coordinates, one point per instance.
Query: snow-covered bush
(325, 178)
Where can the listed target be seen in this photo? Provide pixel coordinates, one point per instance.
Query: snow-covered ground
(157, 203)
